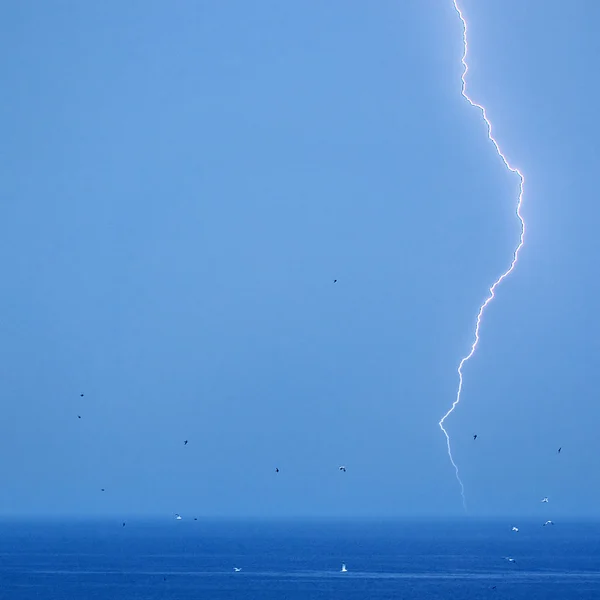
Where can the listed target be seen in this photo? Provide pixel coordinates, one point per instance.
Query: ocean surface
(407, 560)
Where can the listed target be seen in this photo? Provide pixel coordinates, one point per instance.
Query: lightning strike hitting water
(492, 289)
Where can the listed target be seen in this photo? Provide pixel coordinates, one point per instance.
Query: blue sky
(181, 184)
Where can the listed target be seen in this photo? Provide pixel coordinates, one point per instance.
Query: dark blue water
(298, 560)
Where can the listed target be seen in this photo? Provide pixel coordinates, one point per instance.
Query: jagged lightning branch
(492, 290)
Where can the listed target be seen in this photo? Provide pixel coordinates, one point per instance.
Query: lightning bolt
(492, 289)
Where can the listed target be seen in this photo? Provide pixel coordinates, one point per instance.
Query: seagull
(509, 559)
(178, 517)
(237, 569)
(342, 468)
(79, 416)
(185, 443)
(548, 523)
(559, 449)
(276, 470)
(474, 437)
(343, 569)
(335, 281)
(515, 529)
(545, 499)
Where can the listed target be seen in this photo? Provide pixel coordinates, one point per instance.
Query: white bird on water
(545, 499)
(178, 517)
(548, 523)
(510, 559)
(515, 529)
(343, 569)
(237, 569)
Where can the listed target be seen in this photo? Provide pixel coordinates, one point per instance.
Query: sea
(298, 559)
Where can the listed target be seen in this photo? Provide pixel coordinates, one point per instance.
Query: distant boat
(344, 570)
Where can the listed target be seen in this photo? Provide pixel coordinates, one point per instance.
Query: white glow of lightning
(492, 289)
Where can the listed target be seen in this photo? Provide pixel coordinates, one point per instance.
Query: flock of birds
(342, 468)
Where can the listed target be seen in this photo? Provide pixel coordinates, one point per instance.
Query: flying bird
(509, 559)
(342, 468)
(548, 523)
(475, 437)
(559, 449)
(335, 281)
(81, 395)
(545, 499)
(123, 523)
(276, 470)
(515, 529)
(237, 569)
(178, 517)
(185, 443)
(79, 416)
(101, 489)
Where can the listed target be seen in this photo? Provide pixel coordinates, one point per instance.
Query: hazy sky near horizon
(180, 184)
